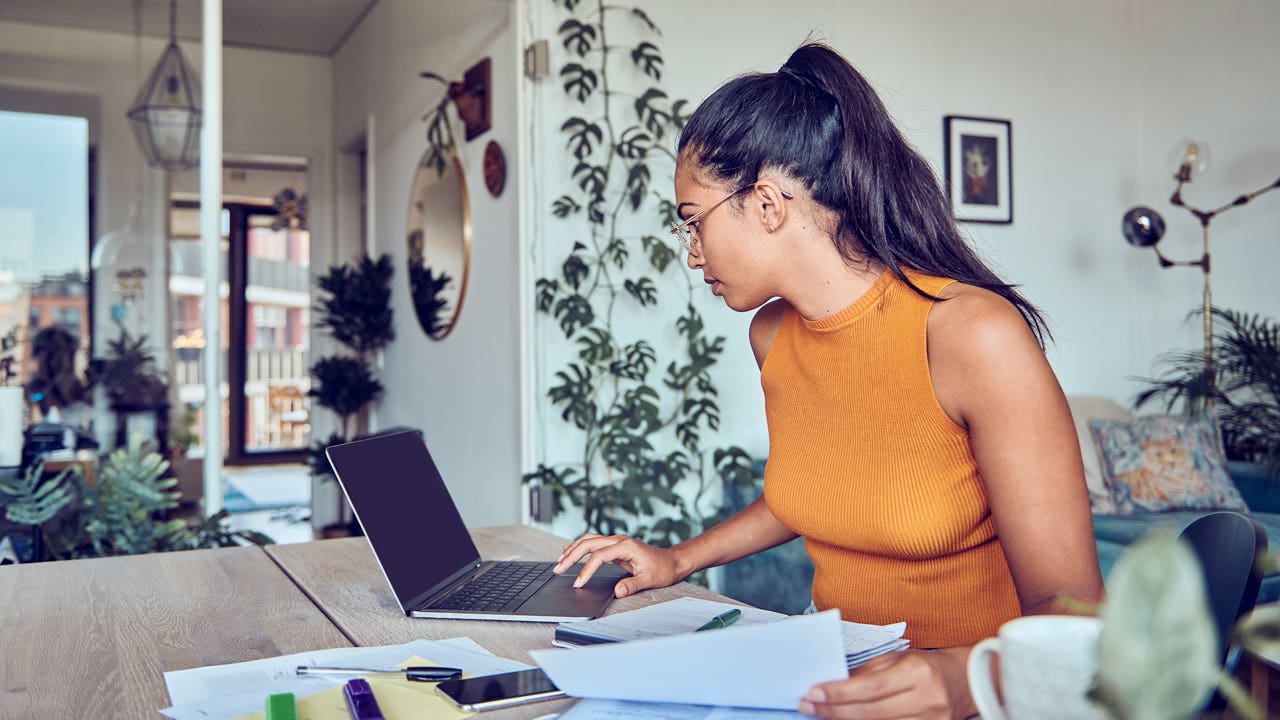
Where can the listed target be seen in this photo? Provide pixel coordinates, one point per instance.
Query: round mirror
(439, 236)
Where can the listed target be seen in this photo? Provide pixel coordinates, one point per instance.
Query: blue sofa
(1260, 491)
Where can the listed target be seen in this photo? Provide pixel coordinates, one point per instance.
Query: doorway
(265, 321)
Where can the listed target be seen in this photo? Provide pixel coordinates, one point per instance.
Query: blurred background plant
(1240, 384)
(126, 511)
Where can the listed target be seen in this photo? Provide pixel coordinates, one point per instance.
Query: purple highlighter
(360, 700)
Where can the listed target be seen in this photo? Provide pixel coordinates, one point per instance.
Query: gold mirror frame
(421, 279)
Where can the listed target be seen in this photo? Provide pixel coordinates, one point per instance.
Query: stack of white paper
(687, 614)
(768, 665)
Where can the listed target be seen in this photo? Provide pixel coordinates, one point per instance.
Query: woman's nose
(694, 259)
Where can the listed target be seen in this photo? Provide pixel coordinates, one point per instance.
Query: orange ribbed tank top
(865, 464)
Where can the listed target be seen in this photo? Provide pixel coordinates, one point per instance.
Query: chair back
(1228, 545)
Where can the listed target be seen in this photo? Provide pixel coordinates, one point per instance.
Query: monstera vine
(639, 405)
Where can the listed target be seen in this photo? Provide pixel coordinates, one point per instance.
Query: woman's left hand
(907, 684)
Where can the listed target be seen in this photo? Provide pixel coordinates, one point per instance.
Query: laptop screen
(402, 503)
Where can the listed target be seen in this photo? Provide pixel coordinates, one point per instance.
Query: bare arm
(992, 378)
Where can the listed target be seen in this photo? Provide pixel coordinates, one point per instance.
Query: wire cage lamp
(165, 115)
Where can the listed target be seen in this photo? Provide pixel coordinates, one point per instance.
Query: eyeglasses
(686, 232)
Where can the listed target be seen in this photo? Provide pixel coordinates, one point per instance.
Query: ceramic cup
(1047, 663)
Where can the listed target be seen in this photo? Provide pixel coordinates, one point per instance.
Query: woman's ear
(767, 203)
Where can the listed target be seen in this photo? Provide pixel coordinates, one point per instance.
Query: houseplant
(125, 512)
(355, 308)
(1240, 384)
(638, 416)
(128, 374)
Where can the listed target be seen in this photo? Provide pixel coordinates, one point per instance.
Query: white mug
(1047, 663)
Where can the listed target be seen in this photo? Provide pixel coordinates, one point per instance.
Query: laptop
(426, 553)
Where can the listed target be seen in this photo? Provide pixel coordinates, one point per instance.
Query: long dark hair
(818, 120)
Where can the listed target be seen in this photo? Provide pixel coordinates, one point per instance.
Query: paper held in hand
(686, 614)
(768, 665)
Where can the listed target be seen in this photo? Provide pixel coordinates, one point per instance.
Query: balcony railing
(277, 409)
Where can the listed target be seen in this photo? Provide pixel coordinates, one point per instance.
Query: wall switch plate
(542, 503)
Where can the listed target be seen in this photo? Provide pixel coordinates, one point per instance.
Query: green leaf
(702, 410)
(653, 118)
(640, 409)
(33, 499)
(648, 58)
(597, 345)
(595, 210)
(733, 465)
(582, 136)
(637, 184)
(668, 211)
(591, 178)
(574, 393)
(634, 143)
(578, 37)
(579, 82)
(643, 290)
(638, 357)
(564, 206)
(573, 312)
(575, 270)
(679, 117)
(617, 252)
(660, 253)
(645, 19)
(1158, 652)
(547, 291)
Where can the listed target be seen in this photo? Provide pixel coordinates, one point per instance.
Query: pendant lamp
(166, 113)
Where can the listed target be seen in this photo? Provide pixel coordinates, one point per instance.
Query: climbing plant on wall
(639, 405)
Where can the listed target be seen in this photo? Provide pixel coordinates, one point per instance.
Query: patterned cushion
(1164, 462)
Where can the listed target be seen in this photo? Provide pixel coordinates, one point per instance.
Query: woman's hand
(909, 684)
(650, 567)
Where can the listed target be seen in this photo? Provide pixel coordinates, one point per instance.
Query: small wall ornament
(495, 169)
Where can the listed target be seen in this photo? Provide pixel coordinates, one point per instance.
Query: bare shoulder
(980, 351)
(764, 328)
(978, 322)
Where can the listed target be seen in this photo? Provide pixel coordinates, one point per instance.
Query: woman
(918, 439)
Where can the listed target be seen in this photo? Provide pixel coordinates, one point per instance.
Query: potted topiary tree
(355, 308)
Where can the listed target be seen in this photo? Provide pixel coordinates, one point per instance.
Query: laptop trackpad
(560, 597)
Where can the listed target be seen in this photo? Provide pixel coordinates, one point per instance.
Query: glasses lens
(682, 235)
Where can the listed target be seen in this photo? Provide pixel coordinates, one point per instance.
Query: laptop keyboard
(503, 588)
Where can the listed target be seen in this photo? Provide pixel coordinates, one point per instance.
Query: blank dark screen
(405, 509)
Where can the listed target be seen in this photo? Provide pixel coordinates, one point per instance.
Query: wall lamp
(1143, 227)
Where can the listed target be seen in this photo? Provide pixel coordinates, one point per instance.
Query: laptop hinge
(442, 588)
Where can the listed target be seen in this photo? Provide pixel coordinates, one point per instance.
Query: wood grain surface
(93, 638)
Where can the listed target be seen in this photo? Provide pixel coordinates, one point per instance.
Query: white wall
(1096, 91)
(463, 391)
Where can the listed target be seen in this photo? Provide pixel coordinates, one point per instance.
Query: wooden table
(93, 638)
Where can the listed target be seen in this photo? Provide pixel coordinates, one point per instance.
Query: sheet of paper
(222, 692)
(681, 615)
(624, 710)
(771, 665)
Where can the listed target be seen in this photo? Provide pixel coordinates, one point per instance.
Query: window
(44, 232)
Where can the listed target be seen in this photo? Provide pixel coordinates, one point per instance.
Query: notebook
(684, 615)
(426, 553)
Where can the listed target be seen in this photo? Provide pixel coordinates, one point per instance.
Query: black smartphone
(494, 691)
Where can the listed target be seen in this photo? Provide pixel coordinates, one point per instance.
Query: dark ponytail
(820, 122)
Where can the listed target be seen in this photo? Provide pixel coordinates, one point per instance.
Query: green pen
(724, 619)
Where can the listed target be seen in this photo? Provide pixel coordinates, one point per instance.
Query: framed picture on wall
(978, 167)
